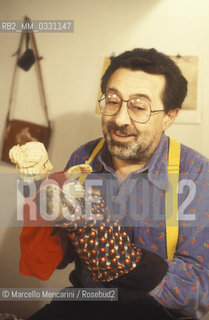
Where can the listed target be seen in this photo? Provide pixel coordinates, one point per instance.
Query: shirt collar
(157, 166)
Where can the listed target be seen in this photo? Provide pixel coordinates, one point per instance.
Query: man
(143, 91)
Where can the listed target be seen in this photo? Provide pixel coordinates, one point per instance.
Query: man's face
(127, 139)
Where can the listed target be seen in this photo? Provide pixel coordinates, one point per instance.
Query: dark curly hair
(153, 62)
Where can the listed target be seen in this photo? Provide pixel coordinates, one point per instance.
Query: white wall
(71, 69)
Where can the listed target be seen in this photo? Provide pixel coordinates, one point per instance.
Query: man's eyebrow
(112, 90)
(140, 95)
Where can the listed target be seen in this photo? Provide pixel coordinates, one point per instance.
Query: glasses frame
(103, 97)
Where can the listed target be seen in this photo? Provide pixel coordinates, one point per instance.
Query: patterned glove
(104, 246)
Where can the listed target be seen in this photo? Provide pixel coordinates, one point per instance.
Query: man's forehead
(136, 82)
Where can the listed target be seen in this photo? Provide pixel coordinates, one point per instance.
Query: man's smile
(119, 136)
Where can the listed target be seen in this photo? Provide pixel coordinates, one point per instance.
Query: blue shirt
(140, 201)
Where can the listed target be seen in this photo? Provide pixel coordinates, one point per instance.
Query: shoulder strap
(40, 77)
(17, 53)
(171, 198)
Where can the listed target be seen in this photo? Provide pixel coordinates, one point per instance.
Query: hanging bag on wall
(27, 59)
(21, 131)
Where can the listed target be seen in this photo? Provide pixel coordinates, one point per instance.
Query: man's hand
(80, 171)
(77, 171)
(31, 160)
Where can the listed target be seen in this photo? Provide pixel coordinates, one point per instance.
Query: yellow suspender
(99, 145)
(171, 196)
(95, 151)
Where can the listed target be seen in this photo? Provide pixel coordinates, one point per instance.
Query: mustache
(125, 129)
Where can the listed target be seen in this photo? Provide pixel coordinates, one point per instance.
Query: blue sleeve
(185, 287)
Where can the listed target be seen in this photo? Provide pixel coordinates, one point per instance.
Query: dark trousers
(74, 310)
(58, 310)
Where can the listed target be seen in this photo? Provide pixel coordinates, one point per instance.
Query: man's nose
(122, 117)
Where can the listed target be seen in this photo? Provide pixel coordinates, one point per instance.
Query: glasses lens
(139, 109)
(110, 104)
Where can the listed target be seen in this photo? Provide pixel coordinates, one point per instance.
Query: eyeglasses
(139, 109)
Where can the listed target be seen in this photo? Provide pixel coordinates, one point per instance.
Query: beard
(139, 150)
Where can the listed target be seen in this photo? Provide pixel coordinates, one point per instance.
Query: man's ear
(169, 118)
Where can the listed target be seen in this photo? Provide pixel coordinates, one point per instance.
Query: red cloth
(41, 253)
